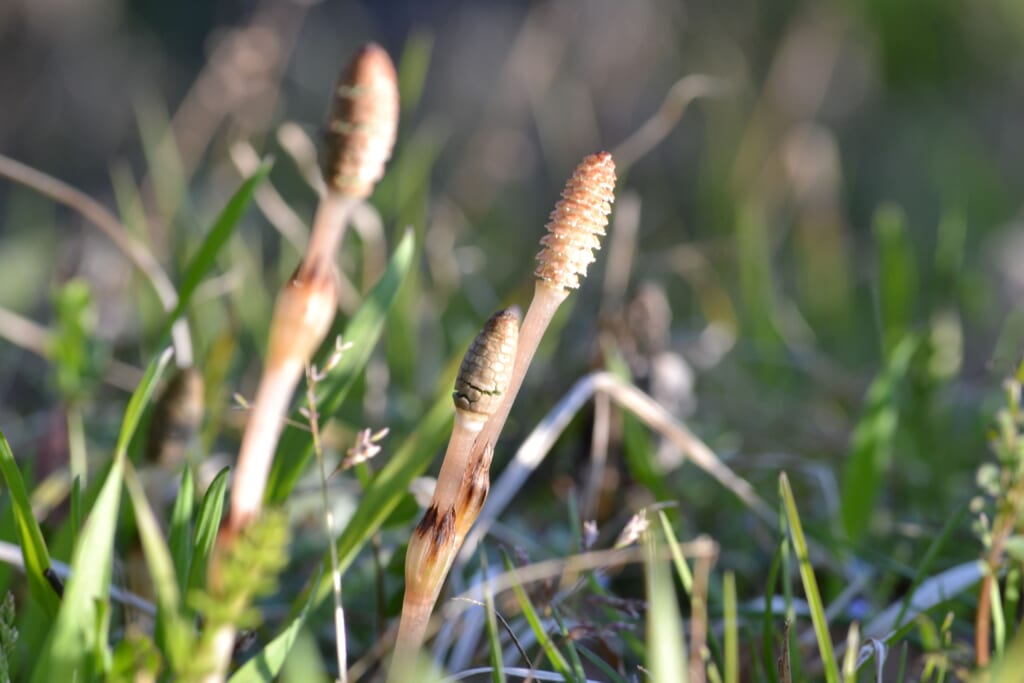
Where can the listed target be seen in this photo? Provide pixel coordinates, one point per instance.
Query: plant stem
(339, 612)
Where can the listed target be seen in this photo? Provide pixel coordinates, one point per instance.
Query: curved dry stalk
(539, 442)
(109, 225)
(671, 111)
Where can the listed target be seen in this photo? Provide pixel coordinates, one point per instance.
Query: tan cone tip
(363, 123)
(578, 222)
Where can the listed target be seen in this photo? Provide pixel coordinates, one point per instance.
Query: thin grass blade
(666, 647)
(207, 523)
(30, 537)
(179, 537)
(810, 584)
(77, 645)
(215, 239)
(537, 626)
(172, 631)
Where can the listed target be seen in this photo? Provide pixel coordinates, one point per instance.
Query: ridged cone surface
(578, 222)
(486, 368)
(363, 123)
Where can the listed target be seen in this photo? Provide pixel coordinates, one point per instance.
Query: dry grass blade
(98, 215)
(539, 442)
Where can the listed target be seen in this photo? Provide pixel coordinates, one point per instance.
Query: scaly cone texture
(574, 228)
(486, 369)
(362, 125)
(462, 484)
(577, 223)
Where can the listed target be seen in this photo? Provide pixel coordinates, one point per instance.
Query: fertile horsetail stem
(462, 484)
(574, 230)
(360, 134)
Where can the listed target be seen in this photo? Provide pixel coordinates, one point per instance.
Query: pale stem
(456, 458)
(421, 596)
(332, 214)
(260, 440)
(339, 611)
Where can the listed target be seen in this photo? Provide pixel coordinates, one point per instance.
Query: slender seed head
(577, 223)
(363, 123)
(486, 368)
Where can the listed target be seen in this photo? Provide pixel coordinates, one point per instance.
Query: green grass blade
(533, 619)
(172, 631)
(137, 403)
(810, 584)
(570, 647)
(682, 568)
(268, 662)
(493, 639)
(215, 239)
(179, 536)
(897, 275)
(207, 523)
(363, 330)
(596, 660)
(732, 639)
(666, 648)
(873, 437)
(75, 518)
(73, 648)
(30, 537)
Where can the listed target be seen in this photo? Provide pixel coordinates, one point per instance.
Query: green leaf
(732, 628)
(267, 663)
(296, 448)
(30, 537)
(897, 275)
(810, 584)
(75, 518)
(207, 524)
(666, 646)
(533, 619)
(871, 451)
(214, 241)
(76, 646)
(173, 634)
(180, 533)
(493, 638)
(682, 568)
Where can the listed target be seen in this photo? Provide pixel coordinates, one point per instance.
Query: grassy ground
(813, 268)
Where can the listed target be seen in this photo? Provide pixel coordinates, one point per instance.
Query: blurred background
(815, 198)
